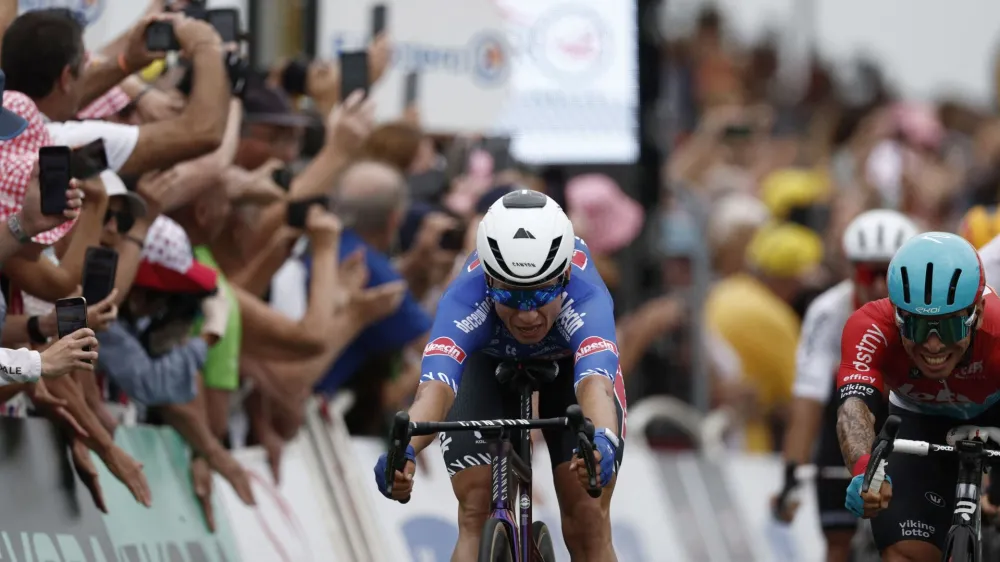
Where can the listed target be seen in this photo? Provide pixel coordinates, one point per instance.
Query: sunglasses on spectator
(526, 299)
(867, 273)
(949, 329)
(123, 220)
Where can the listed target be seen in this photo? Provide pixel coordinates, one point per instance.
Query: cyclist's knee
(586, 523)
(472, 488)
(911, 551)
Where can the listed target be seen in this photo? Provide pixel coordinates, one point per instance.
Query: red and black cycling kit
(873, 361)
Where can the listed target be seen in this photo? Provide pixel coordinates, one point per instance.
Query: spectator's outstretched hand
(33, 221)
(156, 105)
(129, 472)
(379, 57)
(155, 189)
(67, 354)
(201, 480)
(377, 303)
(222, 461)
(104, 313)
(193, 35)
(84, 466)
(47, 402)
(350, 123)
(323, 227)
(136, 56)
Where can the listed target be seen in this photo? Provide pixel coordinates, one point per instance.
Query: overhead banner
(107, 19)
(458, 49)
(575, 96)
(559, 77)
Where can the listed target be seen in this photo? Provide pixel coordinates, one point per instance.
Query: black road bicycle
(964, 539)
(507, 538)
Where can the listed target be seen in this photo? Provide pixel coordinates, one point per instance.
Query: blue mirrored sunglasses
(525, 299)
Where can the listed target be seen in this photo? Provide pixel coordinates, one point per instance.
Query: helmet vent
(861, 239)
(524, 199)
(905, 277)
(512, 278)
(929, 284)
(953, 286)
(880, 236)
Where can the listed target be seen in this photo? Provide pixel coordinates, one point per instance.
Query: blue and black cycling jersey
(466, 322)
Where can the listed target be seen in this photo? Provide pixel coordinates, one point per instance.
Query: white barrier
(291, 522)
(682, 507)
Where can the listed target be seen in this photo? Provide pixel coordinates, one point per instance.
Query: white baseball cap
(116, 187)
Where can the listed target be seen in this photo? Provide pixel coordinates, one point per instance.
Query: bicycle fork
(970, 477)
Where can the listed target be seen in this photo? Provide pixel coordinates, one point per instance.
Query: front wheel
(543, 540)
(494, 545)
(962, 546)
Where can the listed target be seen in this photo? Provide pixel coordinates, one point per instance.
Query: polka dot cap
(168, 263)
(18, 158)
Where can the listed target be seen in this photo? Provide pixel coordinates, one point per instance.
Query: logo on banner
(445, 346)
(491, 58)
(86, 11)
(571, 42)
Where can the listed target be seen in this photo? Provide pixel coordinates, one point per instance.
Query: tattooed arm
(855, 430)
(867, 336)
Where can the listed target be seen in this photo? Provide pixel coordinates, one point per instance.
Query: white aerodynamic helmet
(874, 236)
(525, 239)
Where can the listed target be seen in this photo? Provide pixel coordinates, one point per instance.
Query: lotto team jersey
(872, 362)
(466, 322)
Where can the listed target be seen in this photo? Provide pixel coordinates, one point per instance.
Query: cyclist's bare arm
(803, 428)
(855, 430)
(596, 396)
(432, 403)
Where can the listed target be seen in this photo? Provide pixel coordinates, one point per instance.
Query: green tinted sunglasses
(950, 329)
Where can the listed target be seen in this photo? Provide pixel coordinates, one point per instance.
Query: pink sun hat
(603, 215)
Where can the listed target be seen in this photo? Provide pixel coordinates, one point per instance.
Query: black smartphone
(378, 19)
(283, 177)
(99, 269)
(499, 150)
(160, 37)
(196, 10)
(453, 239)
(71, 315)
(299, 210)
(294, 76)
(238, 69)
(88, 160)
(227, 22)
(353, 73)
(53, 177)
(412, 89)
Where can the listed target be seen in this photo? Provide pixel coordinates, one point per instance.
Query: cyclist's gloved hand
(854, 502)
(607, 444)
(380, 467)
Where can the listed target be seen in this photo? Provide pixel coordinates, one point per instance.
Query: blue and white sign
(459, 48)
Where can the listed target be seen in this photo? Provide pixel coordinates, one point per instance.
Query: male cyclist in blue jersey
(934, 348)
(529, 292)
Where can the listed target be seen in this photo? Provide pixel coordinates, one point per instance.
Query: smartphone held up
(54, 173)
(71, 315)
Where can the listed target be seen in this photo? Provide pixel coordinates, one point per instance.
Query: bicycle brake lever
(585, 451)
(396, 459)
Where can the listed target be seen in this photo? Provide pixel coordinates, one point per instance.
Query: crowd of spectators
(271, 246)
